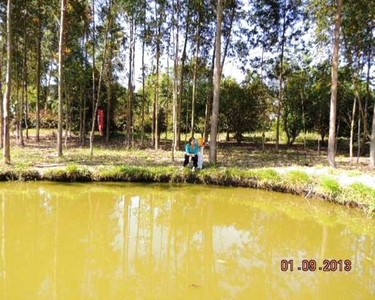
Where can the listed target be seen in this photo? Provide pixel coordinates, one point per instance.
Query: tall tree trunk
(366, 128)
(60, 71)
(208, 109)
(93, 79)
(84, 108)
(372, 137)
(210, 97)
(195, 73)
(183, 60)
(143, 91)
(372, 140)
(24, 85)
(281, 83)
(217, 73)
(67, 104)
(7, 95)
(130, 86)
(38, 73)
(19, 110)
(1, 99)
(352, 129)
(334, 87)
(96, 96)
(109, 87)
(109, 96)
(175, 80)
(359, 136)
(81, 112)
(156, 99)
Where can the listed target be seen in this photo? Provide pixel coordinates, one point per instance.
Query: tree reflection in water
(117, 241)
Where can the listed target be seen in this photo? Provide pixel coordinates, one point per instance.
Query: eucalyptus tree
(133, 11)
(197, 38)
(60, 87)
(2, 50)
(217, 79)
(176, 38)
(275, 25)
(357, 28)
(100, 34)
(160, 7)
(358, 34)
(186, 25)
(334, 86)
(8, 88)
(39, 22)
(232, 13)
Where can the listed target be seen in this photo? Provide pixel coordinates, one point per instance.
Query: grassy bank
(292, 170)
(298, 182)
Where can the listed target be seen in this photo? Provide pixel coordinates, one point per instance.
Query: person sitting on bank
(191, 151)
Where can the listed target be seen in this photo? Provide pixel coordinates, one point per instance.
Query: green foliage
(240, 106)
(330, 186)
(298, 177)
(71, 173)
(360, 191)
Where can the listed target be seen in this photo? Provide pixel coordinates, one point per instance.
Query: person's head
(192, 141)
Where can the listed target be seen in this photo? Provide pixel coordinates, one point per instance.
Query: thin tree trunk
(334, 87)
(210, 97)
(97, 95)
(81, 124)
(109, 96)
(368, 97)
(7, 95)
(183, 60)
(359, 137)
(362, 110)
(22, 106)
(38, 72)
(281, 82)
(372, 137)
(217, 73)
(372, 140)
(93, 78)
(195, 71)
(130, 86)
(143, 90)
(26, 101)
(24, 86)
(1, 100)
(66, 117)
(60, 71)
(352, 129)
(20, 111)
(175, 83)
(83, 134)
(157, 133)
(167, 100)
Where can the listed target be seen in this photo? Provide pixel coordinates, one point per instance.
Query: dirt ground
(247, 155)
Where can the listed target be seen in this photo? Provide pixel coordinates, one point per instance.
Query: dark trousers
(194, 159)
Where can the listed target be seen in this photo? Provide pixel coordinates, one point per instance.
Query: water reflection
(127, 241)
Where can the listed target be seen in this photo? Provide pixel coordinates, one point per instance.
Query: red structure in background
(101, 121)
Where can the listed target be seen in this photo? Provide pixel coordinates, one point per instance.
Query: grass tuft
(330, 186)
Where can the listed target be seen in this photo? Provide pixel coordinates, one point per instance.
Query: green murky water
(137, 241)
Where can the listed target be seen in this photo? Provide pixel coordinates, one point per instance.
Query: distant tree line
(63, 60)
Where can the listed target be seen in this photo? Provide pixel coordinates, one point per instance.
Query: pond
(153, 241)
